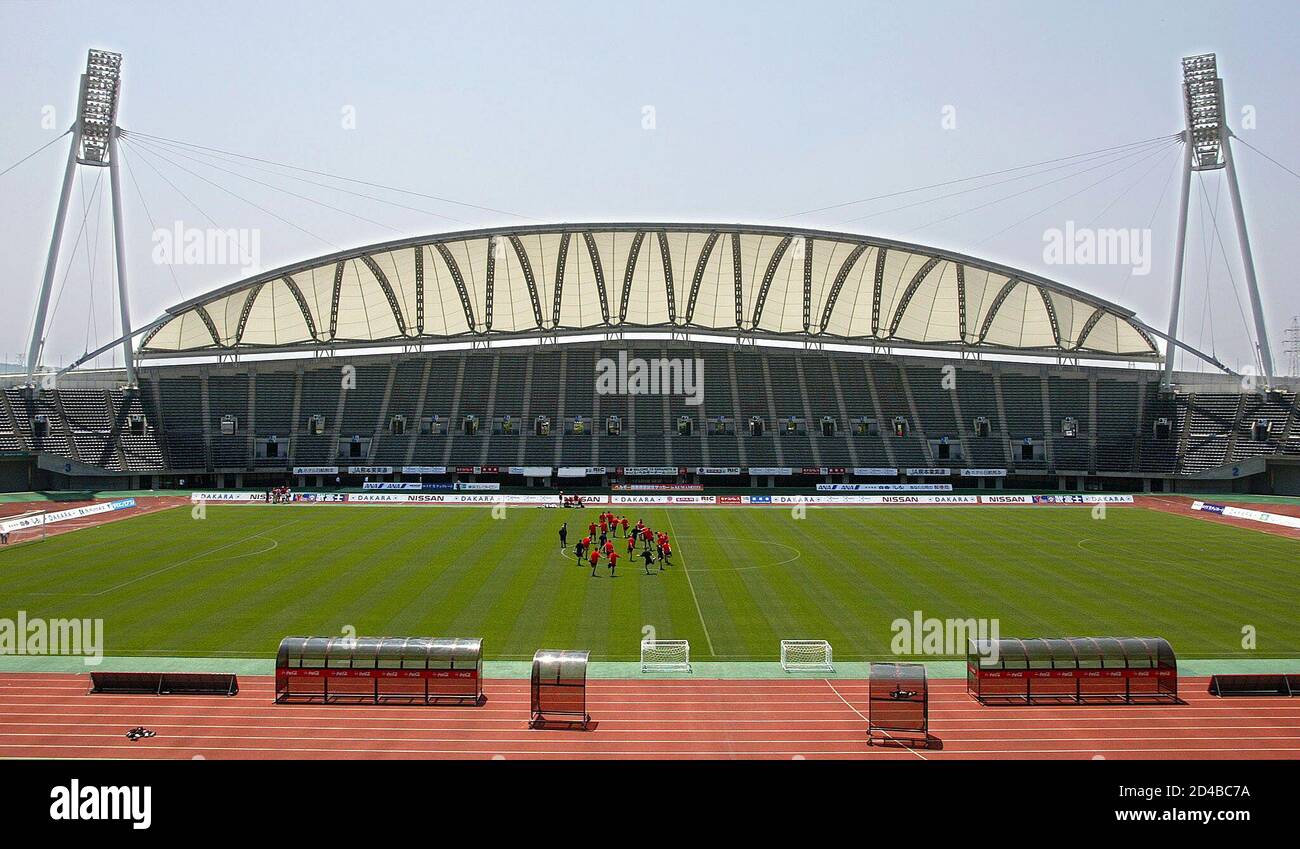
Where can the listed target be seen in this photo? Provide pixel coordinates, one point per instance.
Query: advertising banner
(884, 487)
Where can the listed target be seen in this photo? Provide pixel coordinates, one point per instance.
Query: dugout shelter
(1072, 670)
(898, 706)
(379, 669)
(559, 688)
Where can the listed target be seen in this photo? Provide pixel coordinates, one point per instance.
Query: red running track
(49, 715)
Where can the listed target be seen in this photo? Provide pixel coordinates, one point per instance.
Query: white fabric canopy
(599, 277)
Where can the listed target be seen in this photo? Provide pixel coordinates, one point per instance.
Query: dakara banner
(1243, 513)
(64, 515)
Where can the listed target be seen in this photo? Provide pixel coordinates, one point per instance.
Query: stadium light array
(97, 112)
(1203, 97)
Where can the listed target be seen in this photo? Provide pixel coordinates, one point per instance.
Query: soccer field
(235, 582)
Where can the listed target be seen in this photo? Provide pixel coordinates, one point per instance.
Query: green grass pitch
(235, 582)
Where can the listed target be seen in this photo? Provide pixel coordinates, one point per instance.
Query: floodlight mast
(94, 144)
(1208, 147)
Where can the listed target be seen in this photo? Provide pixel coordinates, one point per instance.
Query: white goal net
(24, 527)
(665, 656)
(806, 656)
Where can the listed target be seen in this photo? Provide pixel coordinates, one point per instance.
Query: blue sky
(760, 110)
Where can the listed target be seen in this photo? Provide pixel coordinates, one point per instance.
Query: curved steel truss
(735, 279)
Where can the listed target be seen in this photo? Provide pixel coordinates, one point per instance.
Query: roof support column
(1179, 250)
(1247, 261)
(119, 251)
(51, 262)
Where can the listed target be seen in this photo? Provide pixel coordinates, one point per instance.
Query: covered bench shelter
(379, 669)
(559, 688)
(898, 706)
(1077, 670)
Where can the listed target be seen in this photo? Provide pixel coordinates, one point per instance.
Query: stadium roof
(575, 278)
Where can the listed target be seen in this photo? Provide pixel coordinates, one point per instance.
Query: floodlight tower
(94, 144)
(1207, 147)
(1291, 346)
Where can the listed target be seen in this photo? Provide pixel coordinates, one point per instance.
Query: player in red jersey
(613, 561)
(668, 554)
(594, 559)
(631, 545)
(623, 522)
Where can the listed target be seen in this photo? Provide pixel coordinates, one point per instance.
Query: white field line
(698, 611)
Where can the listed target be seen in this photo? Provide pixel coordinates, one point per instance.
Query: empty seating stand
(172, 423)
(165, 683)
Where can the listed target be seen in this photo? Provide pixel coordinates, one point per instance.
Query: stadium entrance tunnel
(378, 670)
(1074, 670)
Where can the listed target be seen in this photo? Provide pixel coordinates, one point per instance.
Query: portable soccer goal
(806, 656)
(665, 656)
(25, 527)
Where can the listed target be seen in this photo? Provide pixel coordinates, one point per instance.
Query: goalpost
(25, 527)
(806, 656)
(665, 656)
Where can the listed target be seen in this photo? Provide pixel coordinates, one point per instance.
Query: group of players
(656, 547)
